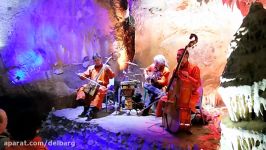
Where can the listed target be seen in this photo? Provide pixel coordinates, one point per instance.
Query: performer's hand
(100, 82)
(147, 77)
(81, 76)
(154, 80)
(184, 74)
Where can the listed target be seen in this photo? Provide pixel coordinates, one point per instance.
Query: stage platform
(122, 131)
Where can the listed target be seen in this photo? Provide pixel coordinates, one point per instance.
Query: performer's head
(3, 120)
(97, 59)
(159, 61)
(179, 54)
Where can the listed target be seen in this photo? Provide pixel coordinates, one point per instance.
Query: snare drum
(128, 88)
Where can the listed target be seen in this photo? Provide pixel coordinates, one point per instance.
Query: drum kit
(128, 91)
(130, 84)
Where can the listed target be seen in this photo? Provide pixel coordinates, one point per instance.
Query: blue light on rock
(28, 64)
(30, 59)
(18, 75)
(50, 32)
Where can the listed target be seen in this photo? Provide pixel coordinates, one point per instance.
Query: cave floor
(149, 128)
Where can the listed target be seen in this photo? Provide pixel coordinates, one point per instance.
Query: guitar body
(154, 75)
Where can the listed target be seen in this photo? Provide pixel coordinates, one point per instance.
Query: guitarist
(157, 75)
(92, 106)
(188, 72)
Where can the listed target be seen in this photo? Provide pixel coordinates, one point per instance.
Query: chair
(109, 97)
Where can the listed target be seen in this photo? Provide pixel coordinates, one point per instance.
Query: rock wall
(244, 84)
(38, 55)
(246, 62)
(162, 27)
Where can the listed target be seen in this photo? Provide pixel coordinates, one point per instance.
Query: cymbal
(130, 63)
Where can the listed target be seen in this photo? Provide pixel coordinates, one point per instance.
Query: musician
(92, 106)
(189, 72)
(157, 74)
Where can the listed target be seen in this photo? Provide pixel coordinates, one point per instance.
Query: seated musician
(93, 104)
(189, 72)
(157, 75)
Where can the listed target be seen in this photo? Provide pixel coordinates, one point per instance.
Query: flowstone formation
(243, 85)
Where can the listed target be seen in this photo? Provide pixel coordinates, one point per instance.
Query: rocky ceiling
(37, 36)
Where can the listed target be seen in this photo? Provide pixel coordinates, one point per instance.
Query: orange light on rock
(122, 59)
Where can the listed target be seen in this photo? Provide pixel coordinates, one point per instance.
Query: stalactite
(242, 101)
(124, 27)
(129, 37)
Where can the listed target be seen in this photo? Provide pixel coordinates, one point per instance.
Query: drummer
(92, 106)
(156, 76)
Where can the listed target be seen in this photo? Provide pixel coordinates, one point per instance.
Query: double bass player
(182, 94)
(189, 72)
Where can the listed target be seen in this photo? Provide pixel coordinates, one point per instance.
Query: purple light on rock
(64, 31)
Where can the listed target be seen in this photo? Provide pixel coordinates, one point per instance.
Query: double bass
(176, 111)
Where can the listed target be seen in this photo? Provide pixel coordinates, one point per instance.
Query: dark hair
(95, 56)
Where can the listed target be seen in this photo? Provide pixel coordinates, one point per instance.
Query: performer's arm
(146, 70)
(194, 77)
(109, 74)
(86, 74)
(164, 79)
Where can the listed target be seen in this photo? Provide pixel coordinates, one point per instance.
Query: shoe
(90, 116)
(145, 112)
(82, 115)
(85, 111)
(92, 113)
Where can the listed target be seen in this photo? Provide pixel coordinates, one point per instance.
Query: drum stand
(128, 104)
(107, 101)
(127, 91)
